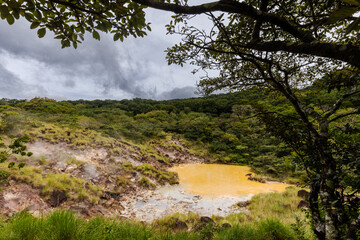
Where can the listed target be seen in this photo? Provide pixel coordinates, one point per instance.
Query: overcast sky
(31, 67)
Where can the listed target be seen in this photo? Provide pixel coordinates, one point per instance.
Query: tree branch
(357, 111)
(347, 53)
(231, 6)
(338, 103)
(256, 31)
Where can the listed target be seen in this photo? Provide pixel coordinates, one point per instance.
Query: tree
(281, 46)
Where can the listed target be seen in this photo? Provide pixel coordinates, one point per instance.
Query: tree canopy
(299, 27)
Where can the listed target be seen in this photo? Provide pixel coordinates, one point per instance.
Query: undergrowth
(64, 225)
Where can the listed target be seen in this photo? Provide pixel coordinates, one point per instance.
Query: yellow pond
(221, 180)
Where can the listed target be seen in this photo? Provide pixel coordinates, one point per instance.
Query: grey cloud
(12, 87)
(69, 83)
(101, 62)
(179, 93)
(135, 68)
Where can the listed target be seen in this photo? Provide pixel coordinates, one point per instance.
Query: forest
(226, 127)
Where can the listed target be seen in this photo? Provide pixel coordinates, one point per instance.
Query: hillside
(102, 156)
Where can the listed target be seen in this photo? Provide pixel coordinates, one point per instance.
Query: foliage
(347, 12)
(66, 225)
(69, 21)
(16, 147)
(72, 186)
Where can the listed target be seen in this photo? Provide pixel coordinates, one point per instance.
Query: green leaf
(342, 14)
(28, 17)
(353, 2)
(96, 35)
(355, 25)
(4, 11)
(11, 165)
(21, 165)
(116, 36)
(10, 19)
(34, 25)
(65, 43)
(41, 32)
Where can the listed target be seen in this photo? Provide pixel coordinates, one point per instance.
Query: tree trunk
(329, 183)
(319, 226)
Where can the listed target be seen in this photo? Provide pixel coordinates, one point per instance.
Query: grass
(64, 225)
(272, 216)
(161, 176)
(281, 205)
(266, 229)
(72, 186)
(145, 182)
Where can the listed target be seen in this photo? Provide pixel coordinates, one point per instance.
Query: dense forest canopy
(279, 46)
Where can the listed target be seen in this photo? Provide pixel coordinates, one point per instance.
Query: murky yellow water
(220, 180)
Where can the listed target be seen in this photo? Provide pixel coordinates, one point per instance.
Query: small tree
(16, 147)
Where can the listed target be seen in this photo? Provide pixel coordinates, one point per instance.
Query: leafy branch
(16, 147)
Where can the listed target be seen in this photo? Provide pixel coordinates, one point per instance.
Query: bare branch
(339, 102)
(357, 111)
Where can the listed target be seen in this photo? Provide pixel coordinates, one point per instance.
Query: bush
(267, 229)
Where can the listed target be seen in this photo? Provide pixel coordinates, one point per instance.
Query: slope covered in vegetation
(98, 157)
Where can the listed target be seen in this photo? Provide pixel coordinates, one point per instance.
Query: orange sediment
(221, 180)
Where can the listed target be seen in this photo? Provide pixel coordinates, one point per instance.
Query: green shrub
(22, 226)
(146, 183)
(63, 225)
(4, 175)
(267, 229)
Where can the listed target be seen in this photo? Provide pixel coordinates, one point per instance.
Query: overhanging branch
(231, 6)
(347, 53)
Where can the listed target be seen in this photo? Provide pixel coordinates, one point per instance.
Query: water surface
(206, 189)
(221, 180)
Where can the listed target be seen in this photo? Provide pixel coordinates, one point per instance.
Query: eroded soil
(115, 179)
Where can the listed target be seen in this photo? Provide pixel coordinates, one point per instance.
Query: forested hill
(221, 127)
(224, 127)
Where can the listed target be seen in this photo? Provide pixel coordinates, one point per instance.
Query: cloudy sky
(31, 67)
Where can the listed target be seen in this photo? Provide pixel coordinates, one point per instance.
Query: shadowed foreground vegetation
(281, 220)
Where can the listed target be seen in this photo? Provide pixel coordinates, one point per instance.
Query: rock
(161, 161)
(197, 197)
(303, 204)
(81, 210)
(180, 226)
(303, 194)
(61, 166)
(226, 225)
(243, 204)
(256, 179)
(206, 220)
(70, 168)
(57, 197)
(248, 175)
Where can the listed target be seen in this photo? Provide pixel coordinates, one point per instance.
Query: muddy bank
(123, 180)
(107, 180)
(205, 189)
